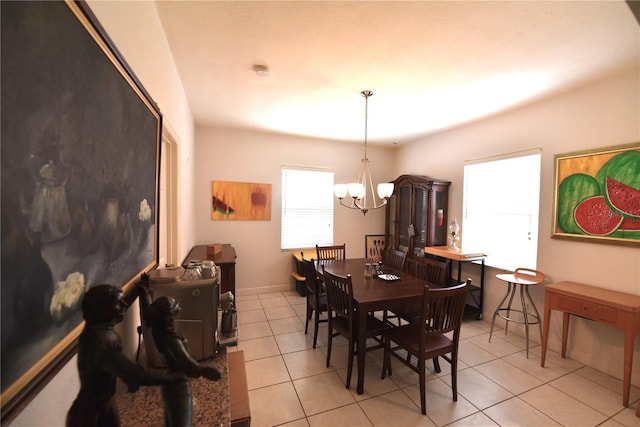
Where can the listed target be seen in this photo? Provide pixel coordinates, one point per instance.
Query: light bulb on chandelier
(358, 190)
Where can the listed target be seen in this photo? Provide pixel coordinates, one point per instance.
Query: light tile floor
(289, 384)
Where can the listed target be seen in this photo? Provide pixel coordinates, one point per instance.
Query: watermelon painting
(598, 195)
(623, 198)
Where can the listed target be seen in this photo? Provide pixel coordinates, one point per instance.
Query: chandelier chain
(366, 94)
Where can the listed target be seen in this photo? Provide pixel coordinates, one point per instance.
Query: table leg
(545, 330)
(629, 339)
(565, 333)
(361, 343)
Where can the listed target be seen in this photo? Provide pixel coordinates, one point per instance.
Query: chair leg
(423, 375)
(495, 313)
(385, 318)
(513, 294)
(386, 358)
(436, 365)
(454, 374)
(330, 338)
(535, 310)
(526, 319)
(309, 312)
(350, 364)
(315, 329)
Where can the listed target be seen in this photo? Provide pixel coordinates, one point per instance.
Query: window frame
(481, 229)
(320, 211)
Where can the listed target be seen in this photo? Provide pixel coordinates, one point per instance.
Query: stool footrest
(535, 318)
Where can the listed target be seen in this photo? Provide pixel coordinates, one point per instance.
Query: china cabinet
(417, 214)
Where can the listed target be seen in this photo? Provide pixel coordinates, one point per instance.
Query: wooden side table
(298, 270)
(616, 309)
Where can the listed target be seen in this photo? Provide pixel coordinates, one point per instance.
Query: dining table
(372, 294)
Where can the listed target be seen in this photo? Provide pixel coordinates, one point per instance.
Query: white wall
(228, 155)
(601, 114)
(136, 31)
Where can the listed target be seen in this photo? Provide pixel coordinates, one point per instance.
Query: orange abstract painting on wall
(240, 201)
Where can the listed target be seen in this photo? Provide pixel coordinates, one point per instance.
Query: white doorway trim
(169, 220)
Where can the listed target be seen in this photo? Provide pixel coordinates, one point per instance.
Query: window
(500, 209)
(307, 207)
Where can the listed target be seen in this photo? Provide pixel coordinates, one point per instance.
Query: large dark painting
(79, 182)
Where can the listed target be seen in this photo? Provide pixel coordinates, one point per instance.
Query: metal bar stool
(524, 277)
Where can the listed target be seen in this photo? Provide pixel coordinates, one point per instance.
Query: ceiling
(431, 65)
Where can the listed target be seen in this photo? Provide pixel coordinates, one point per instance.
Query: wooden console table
(460, 255)
(226, 260)
(617, 309)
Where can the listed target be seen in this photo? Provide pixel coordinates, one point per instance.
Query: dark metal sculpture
(172, 345)
(101, 360)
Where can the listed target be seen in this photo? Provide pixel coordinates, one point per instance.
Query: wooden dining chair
(429, 338)
(343, 320)
(432, 270)
(316, 297)
(428, 269)
(394, 259)
(333, 252)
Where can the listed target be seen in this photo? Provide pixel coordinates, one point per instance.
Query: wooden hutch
(417, 214)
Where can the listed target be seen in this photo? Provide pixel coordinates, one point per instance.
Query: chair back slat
(432, 271)
(394, 259)
(339, 295)
(442, 308)
(326, 253)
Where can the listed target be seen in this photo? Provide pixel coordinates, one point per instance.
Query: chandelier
(359, 190)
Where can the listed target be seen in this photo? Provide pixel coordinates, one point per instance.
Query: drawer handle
(195, 293)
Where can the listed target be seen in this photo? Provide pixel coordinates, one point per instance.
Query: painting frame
(374, 246)
(582, 207)
(80, 183)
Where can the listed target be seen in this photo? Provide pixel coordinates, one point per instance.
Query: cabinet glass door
(391, 222)
(405, 231)
(439, 229)
(420, 223)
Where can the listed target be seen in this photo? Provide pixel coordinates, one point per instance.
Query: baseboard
(264, 289)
